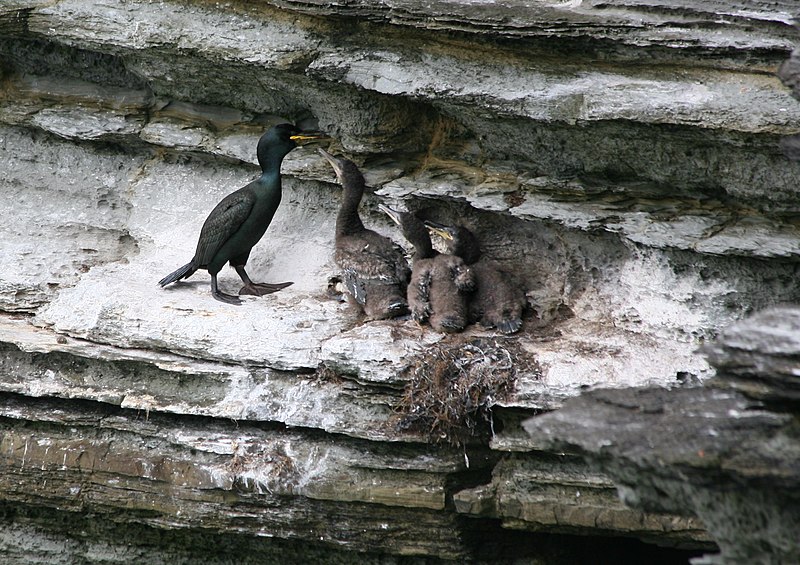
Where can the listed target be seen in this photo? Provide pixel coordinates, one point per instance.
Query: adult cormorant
(374, 269)
(239, 221)
(440, 282)
(498, 301)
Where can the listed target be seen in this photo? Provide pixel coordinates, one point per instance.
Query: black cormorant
(440, 282)
(239, 221)
(374, 269)
(498, 300)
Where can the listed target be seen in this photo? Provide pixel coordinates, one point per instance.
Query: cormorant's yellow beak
(302, 138)
(439, 229)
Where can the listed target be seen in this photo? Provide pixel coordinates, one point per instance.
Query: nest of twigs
(452, 390)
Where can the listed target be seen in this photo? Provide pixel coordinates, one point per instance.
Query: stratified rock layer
(630, 162)
(706, 452)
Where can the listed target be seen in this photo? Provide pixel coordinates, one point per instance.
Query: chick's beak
(391, 213)
(439, 229)
(337, 168)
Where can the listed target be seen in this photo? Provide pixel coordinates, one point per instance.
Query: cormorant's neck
(348, 221)
(417, 235)
(270, 158)
(423, 248)
(466, 246)
(269, 182)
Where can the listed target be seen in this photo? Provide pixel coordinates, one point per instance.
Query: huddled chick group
(448, 291)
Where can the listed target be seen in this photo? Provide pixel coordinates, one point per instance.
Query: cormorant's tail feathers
(182, 273)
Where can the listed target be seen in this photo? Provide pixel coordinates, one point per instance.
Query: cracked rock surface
(630, 162)
(726, 453)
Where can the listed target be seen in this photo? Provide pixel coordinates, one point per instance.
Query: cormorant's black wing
(355, 286)
(373, 256)
(223, 221)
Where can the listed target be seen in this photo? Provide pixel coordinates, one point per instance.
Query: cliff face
(726, 452)
(626, 160)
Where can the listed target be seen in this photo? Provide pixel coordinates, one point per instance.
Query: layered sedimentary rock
(624, 159)
(728, 457)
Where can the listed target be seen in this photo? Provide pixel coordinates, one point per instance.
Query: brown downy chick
(374, 269)
(440, 283)
(498, 302)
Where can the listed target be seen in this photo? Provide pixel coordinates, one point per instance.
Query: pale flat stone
(622, 159)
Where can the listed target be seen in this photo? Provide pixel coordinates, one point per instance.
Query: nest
(452, 390)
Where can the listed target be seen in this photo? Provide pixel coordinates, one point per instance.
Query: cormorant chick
(374, 269)
(440, 282)
(498, 301)
(239, 221)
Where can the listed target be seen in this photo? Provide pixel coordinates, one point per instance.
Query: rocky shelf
(631, 162)
(727, 453)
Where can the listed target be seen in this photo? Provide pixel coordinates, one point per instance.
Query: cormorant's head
(347, 172)
(448, 233)
(276, 143)
(460, 241)
(413, 229)
(288, 133)
(396, 216)
(402, 219)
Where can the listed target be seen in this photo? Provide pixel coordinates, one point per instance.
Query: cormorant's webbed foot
(260, 289)
(257, 289)
(227, 298)
(221, 296)
(420, 315)
(451, 324)
(509, 325)
(398, 308)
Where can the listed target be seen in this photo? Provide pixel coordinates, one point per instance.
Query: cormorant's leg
(221, 296)
(257, 289)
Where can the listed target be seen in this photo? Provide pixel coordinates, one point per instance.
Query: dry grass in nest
(452, 390)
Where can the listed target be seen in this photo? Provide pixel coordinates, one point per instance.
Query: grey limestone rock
(760, 356)
(705, 451)
(626, 160)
